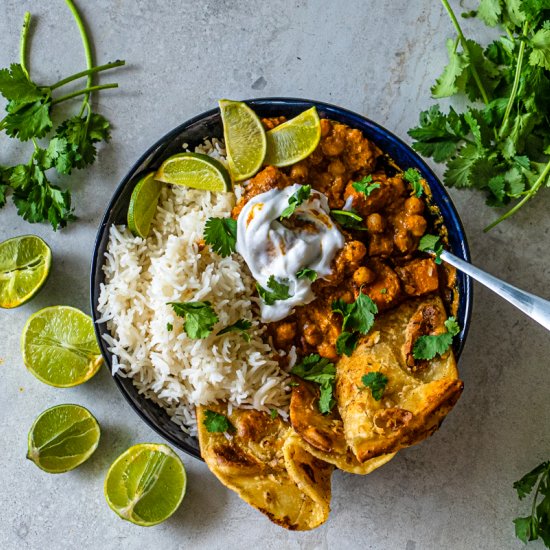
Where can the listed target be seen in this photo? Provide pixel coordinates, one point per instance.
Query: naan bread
(419, 394)
(323, 435)
(265, 465)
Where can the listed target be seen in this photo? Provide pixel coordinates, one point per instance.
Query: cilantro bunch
(29, 116)
(501, 143)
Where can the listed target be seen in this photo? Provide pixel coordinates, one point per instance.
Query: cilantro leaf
(242, 325)
(321, 371)
(358, 316)
(346, 343)
(199, 317)
(450, 82)
(273, 414)
(377, 382)
(365, 185)
(349, 219)
(216, 423)
(538, 524)
(25, 121)
(279, 291)
(169, 327)
(15, 86)
(306, 273)
(428, 346)
(295, 200)
(540, 54)
(490, 11)
(412, 175)
(221, 235)
(431, 243)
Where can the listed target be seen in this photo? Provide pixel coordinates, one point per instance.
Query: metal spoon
(535, 307)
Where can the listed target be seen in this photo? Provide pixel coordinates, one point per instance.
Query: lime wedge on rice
(59, 347)
(24, 267)
(62, 438)
(146, 484)
(143, 205)
(245, 140)
(293, 140)
(195, 170)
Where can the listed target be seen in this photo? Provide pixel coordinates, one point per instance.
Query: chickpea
(336, 167)
(285, 332)
(414, 205)
(363, 276)
(328, 350)
(416, 225)
(333, 145)
(312, 335)
(376, 223)
(299, 172)
(354, 251)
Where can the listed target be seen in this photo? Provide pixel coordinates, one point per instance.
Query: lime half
(146, 484)
(245, 140)
(59, 347)
(24, 267)
(195, 170)
(62, 438)
(143, 205)
(293, 140)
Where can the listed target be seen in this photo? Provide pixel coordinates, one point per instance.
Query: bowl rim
(454, 220)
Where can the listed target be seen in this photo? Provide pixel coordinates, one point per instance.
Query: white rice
(142, 275)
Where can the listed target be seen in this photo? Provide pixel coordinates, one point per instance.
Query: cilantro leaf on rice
(200, 317)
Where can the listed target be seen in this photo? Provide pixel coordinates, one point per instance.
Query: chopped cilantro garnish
(221, 235)
(278, 291)
(365, 185)
(322, 372)
(427, 347)
(346, 343)
(306, 273)
(199, 317)
(242, 325)
(412, 175)
(169, 327)
(431, 243)
(348, 219)
(273, 414)
(383, 290)
(295, 200)
(216, 423)
(376, 381)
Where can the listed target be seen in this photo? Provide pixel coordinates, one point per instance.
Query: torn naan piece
(264, 465)
(322, 435)
(418, 394)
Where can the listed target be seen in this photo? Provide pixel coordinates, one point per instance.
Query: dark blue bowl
(209, 125)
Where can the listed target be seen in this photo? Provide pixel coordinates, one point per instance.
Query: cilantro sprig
(412, 175)
(295, 200)
(537, 524)
(348, 219)
(307, 273)
(217, 423)
(30, 108)
(431, 243)
(503, 146)
(221, 235)
(241, 326)
(365, 185)
(321, 371)
(428, 346)
(277, 291)
(357, 319)
(199, 317)
(376, 382)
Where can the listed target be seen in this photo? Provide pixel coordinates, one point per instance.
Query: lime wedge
(293, 140)
(59, 347)
(146, 484)
(244, 136)
(143, 205)
(62, 438)
(24, 267)
(195, 170)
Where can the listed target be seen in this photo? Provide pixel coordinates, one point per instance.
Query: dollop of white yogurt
(270, 248)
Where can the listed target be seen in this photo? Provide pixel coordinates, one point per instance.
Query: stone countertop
(453, 491)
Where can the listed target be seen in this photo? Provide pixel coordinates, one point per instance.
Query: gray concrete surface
(453, 491)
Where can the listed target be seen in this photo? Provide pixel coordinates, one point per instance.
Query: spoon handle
(535, 307)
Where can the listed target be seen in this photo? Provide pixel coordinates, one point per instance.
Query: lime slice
(293, 140)
(195, 170)
(143, 205)
(62, 438)
(146, 484)
(244, 136)
(24, 267)
(59, 347)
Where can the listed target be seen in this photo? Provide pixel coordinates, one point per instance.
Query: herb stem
(515, 85)
(465, 47)
(23, 43)
(529, 195)
(87, 53)
(81, 74)
(85, 91)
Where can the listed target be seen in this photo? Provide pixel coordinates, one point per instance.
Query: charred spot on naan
(258, 462)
